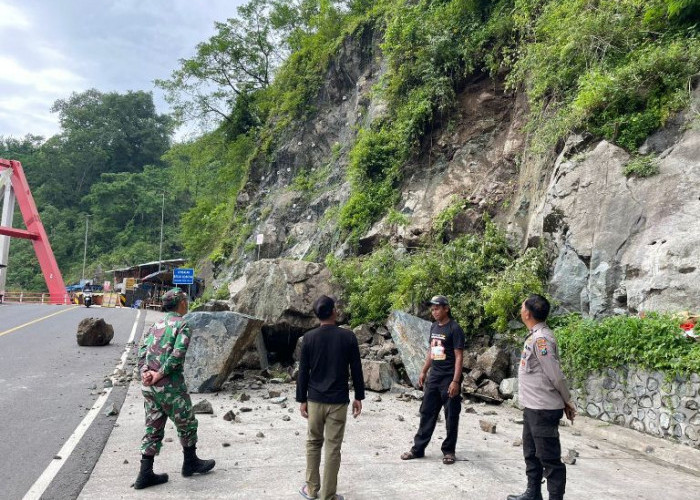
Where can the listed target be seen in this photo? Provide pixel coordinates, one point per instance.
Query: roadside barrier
(21, 297)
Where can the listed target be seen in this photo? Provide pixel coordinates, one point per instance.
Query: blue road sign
(183, 276)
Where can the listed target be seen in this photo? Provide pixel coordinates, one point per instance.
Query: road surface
(47, 385)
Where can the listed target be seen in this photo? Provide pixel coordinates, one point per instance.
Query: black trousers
(434, 398)
(542, 450)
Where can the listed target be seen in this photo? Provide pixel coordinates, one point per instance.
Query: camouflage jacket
(164, 347)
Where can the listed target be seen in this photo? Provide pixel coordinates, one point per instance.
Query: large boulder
(494, 363)
(377, 375)
(281, 292)
(94, 332)
(218, 343)
(410, 335)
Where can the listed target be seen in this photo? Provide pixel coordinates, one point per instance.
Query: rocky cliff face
(617, 244)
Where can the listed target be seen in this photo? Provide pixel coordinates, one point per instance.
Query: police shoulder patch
(542, 345)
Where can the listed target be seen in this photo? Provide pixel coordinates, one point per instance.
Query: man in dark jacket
(322, 390)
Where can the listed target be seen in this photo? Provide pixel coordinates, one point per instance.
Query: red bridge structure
(15, 186)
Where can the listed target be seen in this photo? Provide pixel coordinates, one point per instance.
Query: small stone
(57, 457)
(274, 394)
(487, 426)
(245, 409)
(378, 399)
(573, 453)
(108, 383)
(112, 411)
(168, 440)
(225, 445)
(469, 409)
(649, 449)
(518, 442)
(229, 416)
(286, 418)
(489, 413)
(204, 407)
(296, 433)
(125, 462)
(569, 460)
(243, 397)
(278, 400)
(401, 419)
(519, 421)
(575, 433)
(260, 434)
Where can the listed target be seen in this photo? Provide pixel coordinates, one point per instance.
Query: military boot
(194, 465)
(146, 475)
(533, 492)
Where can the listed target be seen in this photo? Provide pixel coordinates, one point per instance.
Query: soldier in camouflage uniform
(161, 358)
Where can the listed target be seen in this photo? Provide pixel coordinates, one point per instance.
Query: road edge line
(43, 482)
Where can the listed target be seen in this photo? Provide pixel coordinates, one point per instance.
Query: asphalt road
(47, 385)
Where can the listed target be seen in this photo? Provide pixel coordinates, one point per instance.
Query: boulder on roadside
(218, 342)
(377, 375)
(203, 407)
(282, 292)
(410, 335)
(469, 385)
(94, 332)
(494, 363)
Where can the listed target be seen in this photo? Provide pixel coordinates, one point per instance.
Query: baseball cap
(172, 297)
(440, 300)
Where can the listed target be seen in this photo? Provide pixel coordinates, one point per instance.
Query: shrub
(642, 166)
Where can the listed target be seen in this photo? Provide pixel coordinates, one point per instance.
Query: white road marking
(39, 487)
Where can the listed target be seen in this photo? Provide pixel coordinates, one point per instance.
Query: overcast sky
(51, 48)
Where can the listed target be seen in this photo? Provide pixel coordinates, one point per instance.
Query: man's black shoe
(147, 477)
(194, 465)
(533, 492)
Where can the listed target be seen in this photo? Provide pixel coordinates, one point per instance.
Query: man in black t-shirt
(322, 389)
(442, 388)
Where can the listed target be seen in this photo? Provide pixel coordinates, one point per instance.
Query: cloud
(13, 17)
(49, 80)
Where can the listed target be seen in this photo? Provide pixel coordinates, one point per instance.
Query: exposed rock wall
(646, 402)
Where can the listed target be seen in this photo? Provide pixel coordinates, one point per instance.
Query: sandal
(448, 459)
(304, 491)
(410, 455)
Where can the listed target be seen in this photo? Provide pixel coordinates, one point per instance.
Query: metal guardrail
(22, 297)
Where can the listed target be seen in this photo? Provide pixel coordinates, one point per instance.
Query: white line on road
(39, 487)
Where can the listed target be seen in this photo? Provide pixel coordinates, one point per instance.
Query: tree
(239, 59)
(101, 132)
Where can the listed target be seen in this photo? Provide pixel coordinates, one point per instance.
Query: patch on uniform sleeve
(542, 345)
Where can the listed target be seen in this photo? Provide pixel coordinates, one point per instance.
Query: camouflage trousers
(161, 403)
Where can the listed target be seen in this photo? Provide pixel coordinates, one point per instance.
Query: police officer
(443, 386)
(545, 396)
(161, 359)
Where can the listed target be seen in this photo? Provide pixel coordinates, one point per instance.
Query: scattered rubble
(487, 426)
(203, 407)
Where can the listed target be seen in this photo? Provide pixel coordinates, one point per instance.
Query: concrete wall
(644, 401)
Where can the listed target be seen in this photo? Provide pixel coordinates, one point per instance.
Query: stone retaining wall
(644, 401)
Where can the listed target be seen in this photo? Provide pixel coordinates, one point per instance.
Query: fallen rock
(218, 342)
(229, 416)
(278, 400)
(364, 334)
(494, 363)
(469, 409)
(488, 391)
(377, 375)
(281, 292)
(94, 332)
(111, 411)
(518, 442)
(273, 394)
(469, 385)
(508, 387)
(410, 335)
(204, 407)
(260, 434)
(487, 426)
(243, 397)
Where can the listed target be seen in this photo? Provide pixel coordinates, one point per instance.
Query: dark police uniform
(544, 394)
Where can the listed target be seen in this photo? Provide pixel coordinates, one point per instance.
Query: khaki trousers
(326, 423)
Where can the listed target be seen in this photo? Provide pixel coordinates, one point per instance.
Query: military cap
(172, 297)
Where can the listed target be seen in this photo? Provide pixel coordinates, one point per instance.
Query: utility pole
(160, 250)
(87, 218)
